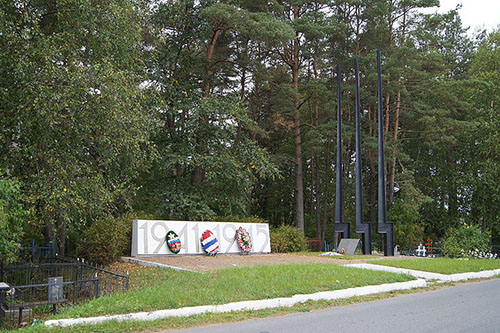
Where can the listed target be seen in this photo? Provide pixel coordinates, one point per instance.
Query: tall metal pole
(340, 226)
(383, 226)
(361, 228)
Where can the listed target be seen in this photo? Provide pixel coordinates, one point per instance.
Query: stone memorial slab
(349, 245)
(55, 289)
(148, 237)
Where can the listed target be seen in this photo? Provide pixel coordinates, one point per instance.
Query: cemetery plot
(32, 291)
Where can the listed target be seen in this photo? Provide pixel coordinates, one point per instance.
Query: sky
(474, 13)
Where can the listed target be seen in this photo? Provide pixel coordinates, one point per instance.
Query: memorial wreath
(243, 239)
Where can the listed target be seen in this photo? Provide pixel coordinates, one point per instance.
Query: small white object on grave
(421, 251)
(332, 254)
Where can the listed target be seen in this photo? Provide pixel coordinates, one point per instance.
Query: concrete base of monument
(429, 275)
(153, 264)
(245, 305)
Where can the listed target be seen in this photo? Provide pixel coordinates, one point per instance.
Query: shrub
(12, 216)
(288, 239)
(466, 239)
(109, 238)
(231, 218)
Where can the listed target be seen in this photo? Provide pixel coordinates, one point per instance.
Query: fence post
(75, 277)
(96, 286)
(33, 250)
(126, 282)
(53, 249)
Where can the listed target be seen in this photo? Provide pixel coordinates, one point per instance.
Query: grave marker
(55, 289)
(421, 251)
(349, 245)
(429, 244)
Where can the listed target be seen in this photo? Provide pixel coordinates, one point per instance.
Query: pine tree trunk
(313, 189)
(318, 208)
(392, 171)
(317, 192)
(325, 202)
(299, 187)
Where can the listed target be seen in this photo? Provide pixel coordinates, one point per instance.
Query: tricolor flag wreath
(173, 242)
(209, 243)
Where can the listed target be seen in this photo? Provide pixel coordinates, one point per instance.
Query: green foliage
(409, 225)
(288, 239)
(185, 109)
(229, 163)
(459, 241)
(12, 217)
(484, 136)
(73, 126)
(108, 238)
(242, 219)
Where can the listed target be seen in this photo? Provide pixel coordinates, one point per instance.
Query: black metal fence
(35, 293)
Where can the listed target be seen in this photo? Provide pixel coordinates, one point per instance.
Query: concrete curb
(429, 275)
(245, 305)
(154, 264)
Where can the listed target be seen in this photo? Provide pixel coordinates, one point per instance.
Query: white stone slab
(148, 236)
(349, 245)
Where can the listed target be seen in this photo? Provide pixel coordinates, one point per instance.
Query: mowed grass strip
(443, 265)
(168, 289)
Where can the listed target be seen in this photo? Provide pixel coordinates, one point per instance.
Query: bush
(231, 218)
(109, 238)
(12, 216)
(288, 239)
(466, 239)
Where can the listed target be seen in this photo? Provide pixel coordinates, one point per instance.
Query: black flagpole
(383, 226)
(340, 226)
(361, 228)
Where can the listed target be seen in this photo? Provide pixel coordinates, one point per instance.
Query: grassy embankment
(167, 289)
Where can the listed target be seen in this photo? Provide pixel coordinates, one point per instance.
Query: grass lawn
(168, 289)
(443, 265)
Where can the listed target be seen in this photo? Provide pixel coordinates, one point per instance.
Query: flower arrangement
(243, 239)
(477, 254)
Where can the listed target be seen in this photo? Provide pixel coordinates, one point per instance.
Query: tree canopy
(199, 110)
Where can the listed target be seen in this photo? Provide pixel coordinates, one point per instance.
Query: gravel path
(204, 263)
